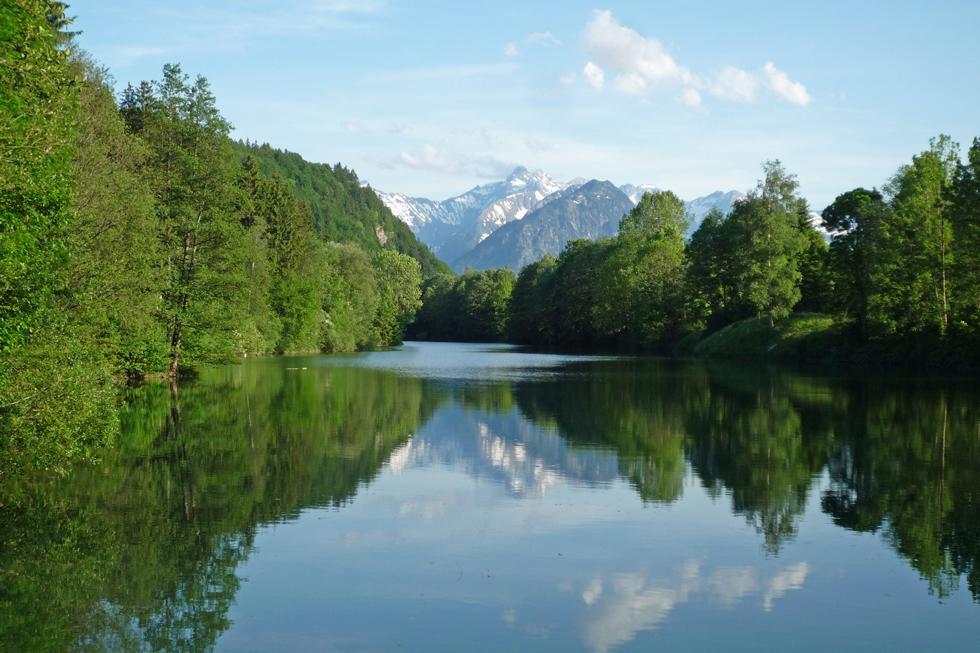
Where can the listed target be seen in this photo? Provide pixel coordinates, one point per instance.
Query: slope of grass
(798, 337)
(820, 339)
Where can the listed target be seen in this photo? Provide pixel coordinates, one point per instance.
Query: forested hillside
(343, 209)
(137, 240)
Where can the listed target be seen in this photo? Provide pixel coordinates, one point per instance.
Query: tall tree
(202, 238)
(641, 283)
(399, 279)
(965, 222)
(114, 277)
(854, 220)
(711, 271)
(769, 242)
(911, 269)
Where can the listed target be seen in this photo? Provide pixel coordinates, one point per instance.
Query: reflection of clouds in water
(407, 455)
(428, 508)
(592, 591)
(632, 604)
(730, 584)
(791, 578)
(524, 473)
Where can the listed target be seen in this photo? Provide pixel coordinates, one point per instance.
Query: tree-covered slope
(343, 210)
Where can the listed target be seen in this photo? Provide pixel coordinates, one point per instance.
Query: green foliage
(855, 220)
(641, 298)
(350, 301)
(909, 274)
(768, 242)
(965, 248)
(343, 210)
(399, 279)
(37, 125)
(474, 307)
(530, 303)
(115, 275)
(202, 241)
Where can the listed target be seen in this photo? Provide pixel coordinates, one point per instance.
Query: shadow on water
(142, 552)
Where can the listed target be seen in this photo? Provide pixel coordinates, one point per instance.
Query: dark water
(451, 497)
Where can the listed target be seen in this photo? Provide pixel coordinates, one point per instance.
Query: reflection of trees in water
(141, 553)
(903, 458)
(907, 463)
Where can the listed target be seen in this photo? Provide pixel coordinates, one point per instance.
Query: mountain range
(513, 222)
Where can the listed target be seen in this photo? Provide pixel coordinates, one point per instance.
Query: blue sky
(430, 98)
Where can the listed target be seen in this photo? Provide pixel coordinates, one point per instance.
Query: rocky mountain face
(463, 230)
(454, 226)
(592, 210)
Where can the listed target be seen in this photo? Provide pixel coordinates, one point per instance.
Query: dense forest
(899, 280)
(138, 240)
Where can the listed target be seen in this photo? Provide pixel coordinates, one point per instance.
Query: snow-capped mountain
(635, 192)
(701, 206)
(455, 227)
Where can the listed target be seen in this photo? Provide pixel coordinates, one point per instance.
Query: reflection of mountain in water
(142, 553)
(505, 447)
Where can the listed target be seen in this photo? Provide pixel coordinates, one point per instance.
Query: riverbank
(811, 338)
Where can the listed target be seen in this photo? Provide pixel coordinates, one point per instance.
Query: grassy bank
(820, 339)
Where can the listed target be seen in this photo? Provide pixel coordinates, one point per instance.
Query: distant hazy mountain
(456, 228)
(701, 206)
(456, 225)
(635, 192)
(592, 210)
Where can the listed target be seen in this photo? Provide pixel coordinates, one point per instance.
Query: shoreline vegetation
(138, 240)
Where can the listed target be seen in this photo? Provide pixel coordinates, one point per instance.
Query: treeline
(136, 239)
(902, 265)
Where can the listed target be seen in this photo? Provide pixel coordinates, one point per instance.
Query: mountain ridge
(456, 227)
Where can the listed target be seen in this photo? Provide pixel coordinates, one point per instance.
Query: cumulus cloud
(733, 83)
(435, 159)
(511, 50)
(784, 87)
(630, 83)
(594, 76)
(691, 97)
(638, 63)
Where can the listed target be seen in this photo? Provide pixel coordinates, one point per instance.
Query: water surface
(464, 497)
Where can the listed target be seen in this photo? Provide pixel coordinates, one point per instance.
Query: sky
(430, 98)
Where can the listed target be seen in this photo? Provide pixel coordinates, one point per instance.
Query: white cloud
(790, 578)
(594, 75)
(511, 50)
(623, 49)
(541, 38)
(640, 62)
(691, 97)
(630, 84)
(434, 159)
(784, 87)
(567, 80)
(733, 83)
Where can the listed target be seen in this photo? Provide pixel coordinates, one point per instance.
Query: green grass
(805, 336)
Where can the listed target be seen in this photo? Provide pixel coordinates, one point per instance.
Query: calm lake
(444, 497)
